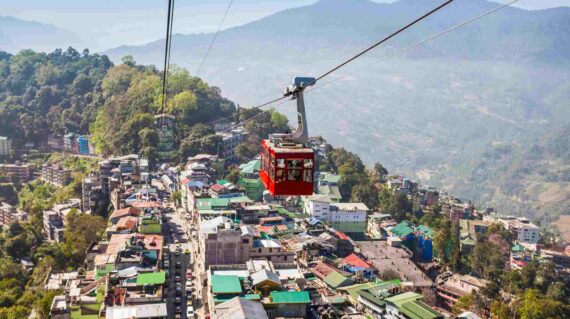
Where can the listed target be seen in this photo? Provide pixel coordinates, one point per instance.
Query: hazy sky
(105, 24)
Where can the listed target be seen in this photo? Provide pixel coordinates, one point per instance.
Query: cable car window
(279, 175)
(280, 163)
(308, 163)
(294, 164)
(294, 174)
(308, 175)
(272, 171)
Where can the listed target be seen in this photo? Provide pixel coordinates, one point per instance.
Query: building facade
(5, 146)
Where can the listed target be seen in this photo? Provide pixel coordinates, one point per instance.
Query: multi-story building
(524, 231)
(5, 146)
(83, 145)
(349, 218)
(10, 214)
(223, 242)
(520, 227)
(230, 140)
(56, 175)
(16, 172)
(54, 220)
(451, 287)
(70, 144)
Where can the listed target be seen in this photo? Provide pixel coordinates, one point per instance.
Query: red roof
(342, 235)
(127, 222)
(184, 181)
(355, 261)
(217, 187)
(129, 211)
(146, 205)
(321, 269)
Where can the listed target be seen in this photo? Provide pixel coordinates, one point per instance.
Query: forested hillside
(53, 93)
(529, 179)
(133, 95)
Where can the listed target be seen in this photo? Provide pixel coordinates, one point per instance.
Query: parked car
(190, 312)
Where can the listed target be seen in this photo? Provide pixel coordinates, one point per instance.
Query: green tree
(233, 175)
(365, 193)
(81, 231)
(534, 306)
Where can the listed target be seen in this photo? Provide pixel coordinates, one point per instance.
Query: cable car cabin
(287, 168)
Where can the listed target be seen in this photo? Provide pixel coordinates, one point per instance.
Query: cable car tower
(287, 163)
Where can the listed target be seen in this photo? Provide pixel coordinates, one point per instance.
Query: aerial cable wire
(214, 38)
(415, 45)
(399, 52)
(393, 34)
(167, 46)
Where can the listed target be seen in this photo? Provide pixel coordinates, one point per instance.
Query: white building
(349, 218)
(5, 145)
(520, 227)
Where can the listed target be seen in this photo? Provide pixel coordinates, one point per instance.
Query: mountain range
(17, 34)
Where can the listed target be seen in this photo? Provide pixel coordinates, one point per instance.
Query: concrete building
(451, 287)
(230, 140)
(349, 218)
(10, 214)
(83, 145)
(16, 172)
(240, 308)
(5, 146)
(56, 175)
(223, 242)
(54, 220)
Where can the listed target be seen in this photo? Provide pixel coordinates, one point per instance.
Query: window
(294, 170)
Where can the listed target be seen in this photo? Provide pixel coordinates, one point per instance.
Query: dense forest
(54, 93)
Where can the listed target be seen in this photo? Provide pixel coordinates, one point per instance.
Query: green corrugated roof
(355, 289)
(399, 299)
(335, 280)
(332, 192)
(240, 199)
(151, 278)
(290, 297)
(517, 248)
(331, 178)
(252, 297)
(250, 167)
(285, 212)
(425, 230)
(403, 229)
(211, 203)
(222, 284)
(417, 309)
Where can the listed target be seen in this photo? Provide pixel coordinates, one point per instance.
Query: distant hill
(503, 79)
(531, 179)
(17, 34)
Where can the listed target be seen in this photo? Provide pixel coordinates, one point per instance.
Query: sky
(105, 24)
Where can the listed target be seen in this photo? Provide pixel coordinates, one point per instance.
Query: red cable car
(287, 163)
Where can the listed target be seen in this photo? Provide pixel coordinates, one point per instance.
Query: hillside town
(204, 239)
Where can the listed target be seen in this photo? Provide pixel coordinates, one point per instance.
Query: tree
(81, 231)
(176, 197)
(534, 306)
(233, 175)
(14, 312)
(464, 303)
(365, 193)
(441, 243)
(455, 258)
(380, 171)
(129, 60)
